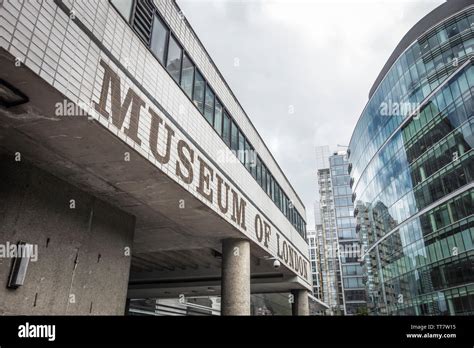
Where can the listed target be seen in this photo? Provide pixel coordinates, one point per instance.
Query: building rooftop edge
(438, 14)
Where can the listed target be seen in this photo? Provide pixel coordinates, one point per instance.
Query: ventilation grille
(143, 19)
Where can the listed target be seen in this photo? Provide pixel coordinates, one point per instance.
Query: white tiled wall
(53, 46)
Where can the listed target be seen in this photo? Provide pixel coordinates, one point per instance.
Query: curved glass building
(412, 169)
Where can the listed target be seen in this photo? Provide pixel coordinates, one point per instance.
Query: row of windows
(452, 274)
(345, 222)
(342, 191)
(344, 211)
(341, 180)
(398, 179)
(394, 179)
(445, 32)
(441, 101)
(355, 295)
(457, 301)
(452, 177)
(430, 253)
(347, 233)
(456, 143)
(436, 219)
(419, 233)
(339, 169)
(353, 282)
(186, 74)
(441, 276)
(454, 107)
(343, 201)
(450, 243)
(352, 270)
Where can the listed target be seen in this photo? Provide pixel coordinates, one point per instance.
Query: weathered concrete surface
(235, 277)
(82, 267)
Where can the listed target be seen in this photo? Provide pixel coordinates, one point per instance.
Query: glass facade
(348, 243)
(412, 168)
(338, 246)
(342, 277)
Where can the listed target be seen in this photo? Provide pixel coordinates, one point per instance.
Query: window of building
(187, 76)
(234, 138)
(159, 38)
(452, 30)
(275, 197)
(218, 117)
(226, 128)
(124, 7)
(278, 190)
(247, 155)
(280, 195)
(264, 176)
(351, 270)
(253, 164)
(241, 148)
(259, 171)
(198, 94)
(463, 24)
(269, 182)
(272, 188)
(209, 105)
(353, 283)
(173, 64)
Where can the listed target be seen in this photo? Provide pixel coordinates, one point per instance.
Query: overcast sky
(317, 58)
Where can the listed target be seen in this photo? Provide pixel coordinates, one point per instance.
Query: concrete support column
(235, 287)
(301, 302)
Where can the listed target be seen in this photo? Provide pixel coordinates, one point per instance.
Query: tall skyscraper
(348, 242)
(331, 277)
(337, 242)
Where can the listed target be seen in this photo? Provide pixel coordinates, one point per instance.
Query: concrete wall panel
(82, 266)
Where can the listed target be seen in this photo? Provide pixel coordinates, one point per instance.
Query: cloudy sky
(317, 58)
